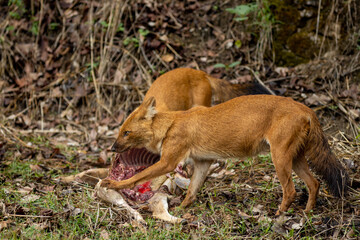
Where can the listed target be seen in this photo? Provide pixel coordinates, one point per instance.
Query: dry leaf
(244, 215)
(104, 235)
(4, 224)
(80, 91)
(315, 99)
(119, 76)
(26, 48)
(93, 134)
(26, 120)
(48, 188)
(24, 190)
(35, 167)
(282, 71)
(167, 57)
(30, 198)
(102, 129)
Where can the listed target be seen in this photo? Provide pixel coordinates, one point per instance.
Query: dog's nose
(113, 148)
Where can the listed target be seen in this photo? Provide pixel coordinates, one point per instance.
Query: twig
(51, 131)
(159, 58)
(317, 22)
(173, 50)
(283, 78)
(97, 216)
(259, 80)
(145, 57)
(27, 216)
(17, 138)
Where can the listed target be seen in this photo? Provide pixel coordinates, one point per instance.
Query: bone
(158, 204)
(137, 157)
(91, 176)
(114, 197)
(181, 181)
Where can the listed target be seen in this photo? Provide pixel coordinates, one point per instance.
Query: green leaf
(238, 43)
(104, 24)
(143, 32)
(243, 10)
(53, 25)
(239, 19)
(120, 28)
(219, 65)
(231, 65)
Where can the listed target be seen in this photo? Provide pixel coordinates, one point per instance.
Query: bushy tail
(223, 90)
(324, 162)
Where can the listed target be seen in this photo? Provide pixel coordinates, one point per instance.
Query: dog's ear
(150, 104)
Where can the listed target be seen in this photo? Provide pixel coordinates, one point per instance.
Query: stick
(259, 80)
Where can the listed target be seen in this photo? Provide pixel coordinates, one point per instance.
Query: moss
(285, 57)
(301, 44)
(287, 16)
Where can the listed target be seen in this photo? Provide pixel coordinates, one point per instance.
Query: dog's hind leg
(201, 168)
(301, 168)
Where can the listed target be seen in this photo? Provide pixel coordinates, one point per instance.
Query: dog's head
(136, 131)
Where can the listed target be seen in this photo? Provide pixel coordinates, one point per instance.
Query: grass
(38, 207)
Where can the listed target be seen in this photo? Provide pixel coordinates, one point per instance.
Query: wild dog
(184, 88)
(237, 128)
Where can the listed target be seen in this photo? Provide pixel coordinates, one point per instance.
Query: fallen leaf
(104, 235)
(40, 226)
(76, 211)
(24, 190)
(296, 226)
(244, 215)
(4, 224)
(119, 76)
(30, 198)
(167, 57)
(35, 167)
(26, 48)
(102, 157)
(102, 129)
(242, 79)
(80, 91)
(317, 99)
(26, 120)
(282, 71)
(257, 208)
(354, 113)
(49, 188)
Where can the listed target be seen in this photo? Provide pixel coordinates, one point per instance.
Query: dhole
(184, 88)
(237, 128)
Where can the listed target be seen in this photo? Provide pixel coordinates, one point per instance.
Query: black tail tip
(341, 187)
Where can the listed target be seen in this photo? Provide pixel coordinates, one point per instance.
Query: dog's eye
(126, 133)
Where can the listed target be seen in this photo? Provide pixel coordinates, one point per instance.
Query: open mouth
(129, 163)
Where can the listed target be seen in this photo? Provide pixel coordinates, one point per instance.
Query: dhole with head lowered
(237, 128)
(183, 88)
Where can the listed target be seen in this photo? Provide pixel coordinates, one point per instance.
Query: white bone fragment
(158, 204)
(114, 197)
(91, 176)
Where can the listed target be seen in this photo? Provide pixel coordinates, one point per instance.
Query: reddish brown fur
(236, 128)
(184, 88)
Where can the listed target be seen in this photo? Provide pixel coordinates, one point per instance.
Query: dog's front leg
(167, 163)
(201, 168)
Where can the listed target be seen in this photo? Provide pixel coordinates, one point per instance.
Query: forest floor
(67, 85)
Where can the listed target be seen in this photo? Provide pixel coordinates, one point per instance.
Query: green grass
(75, 214)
